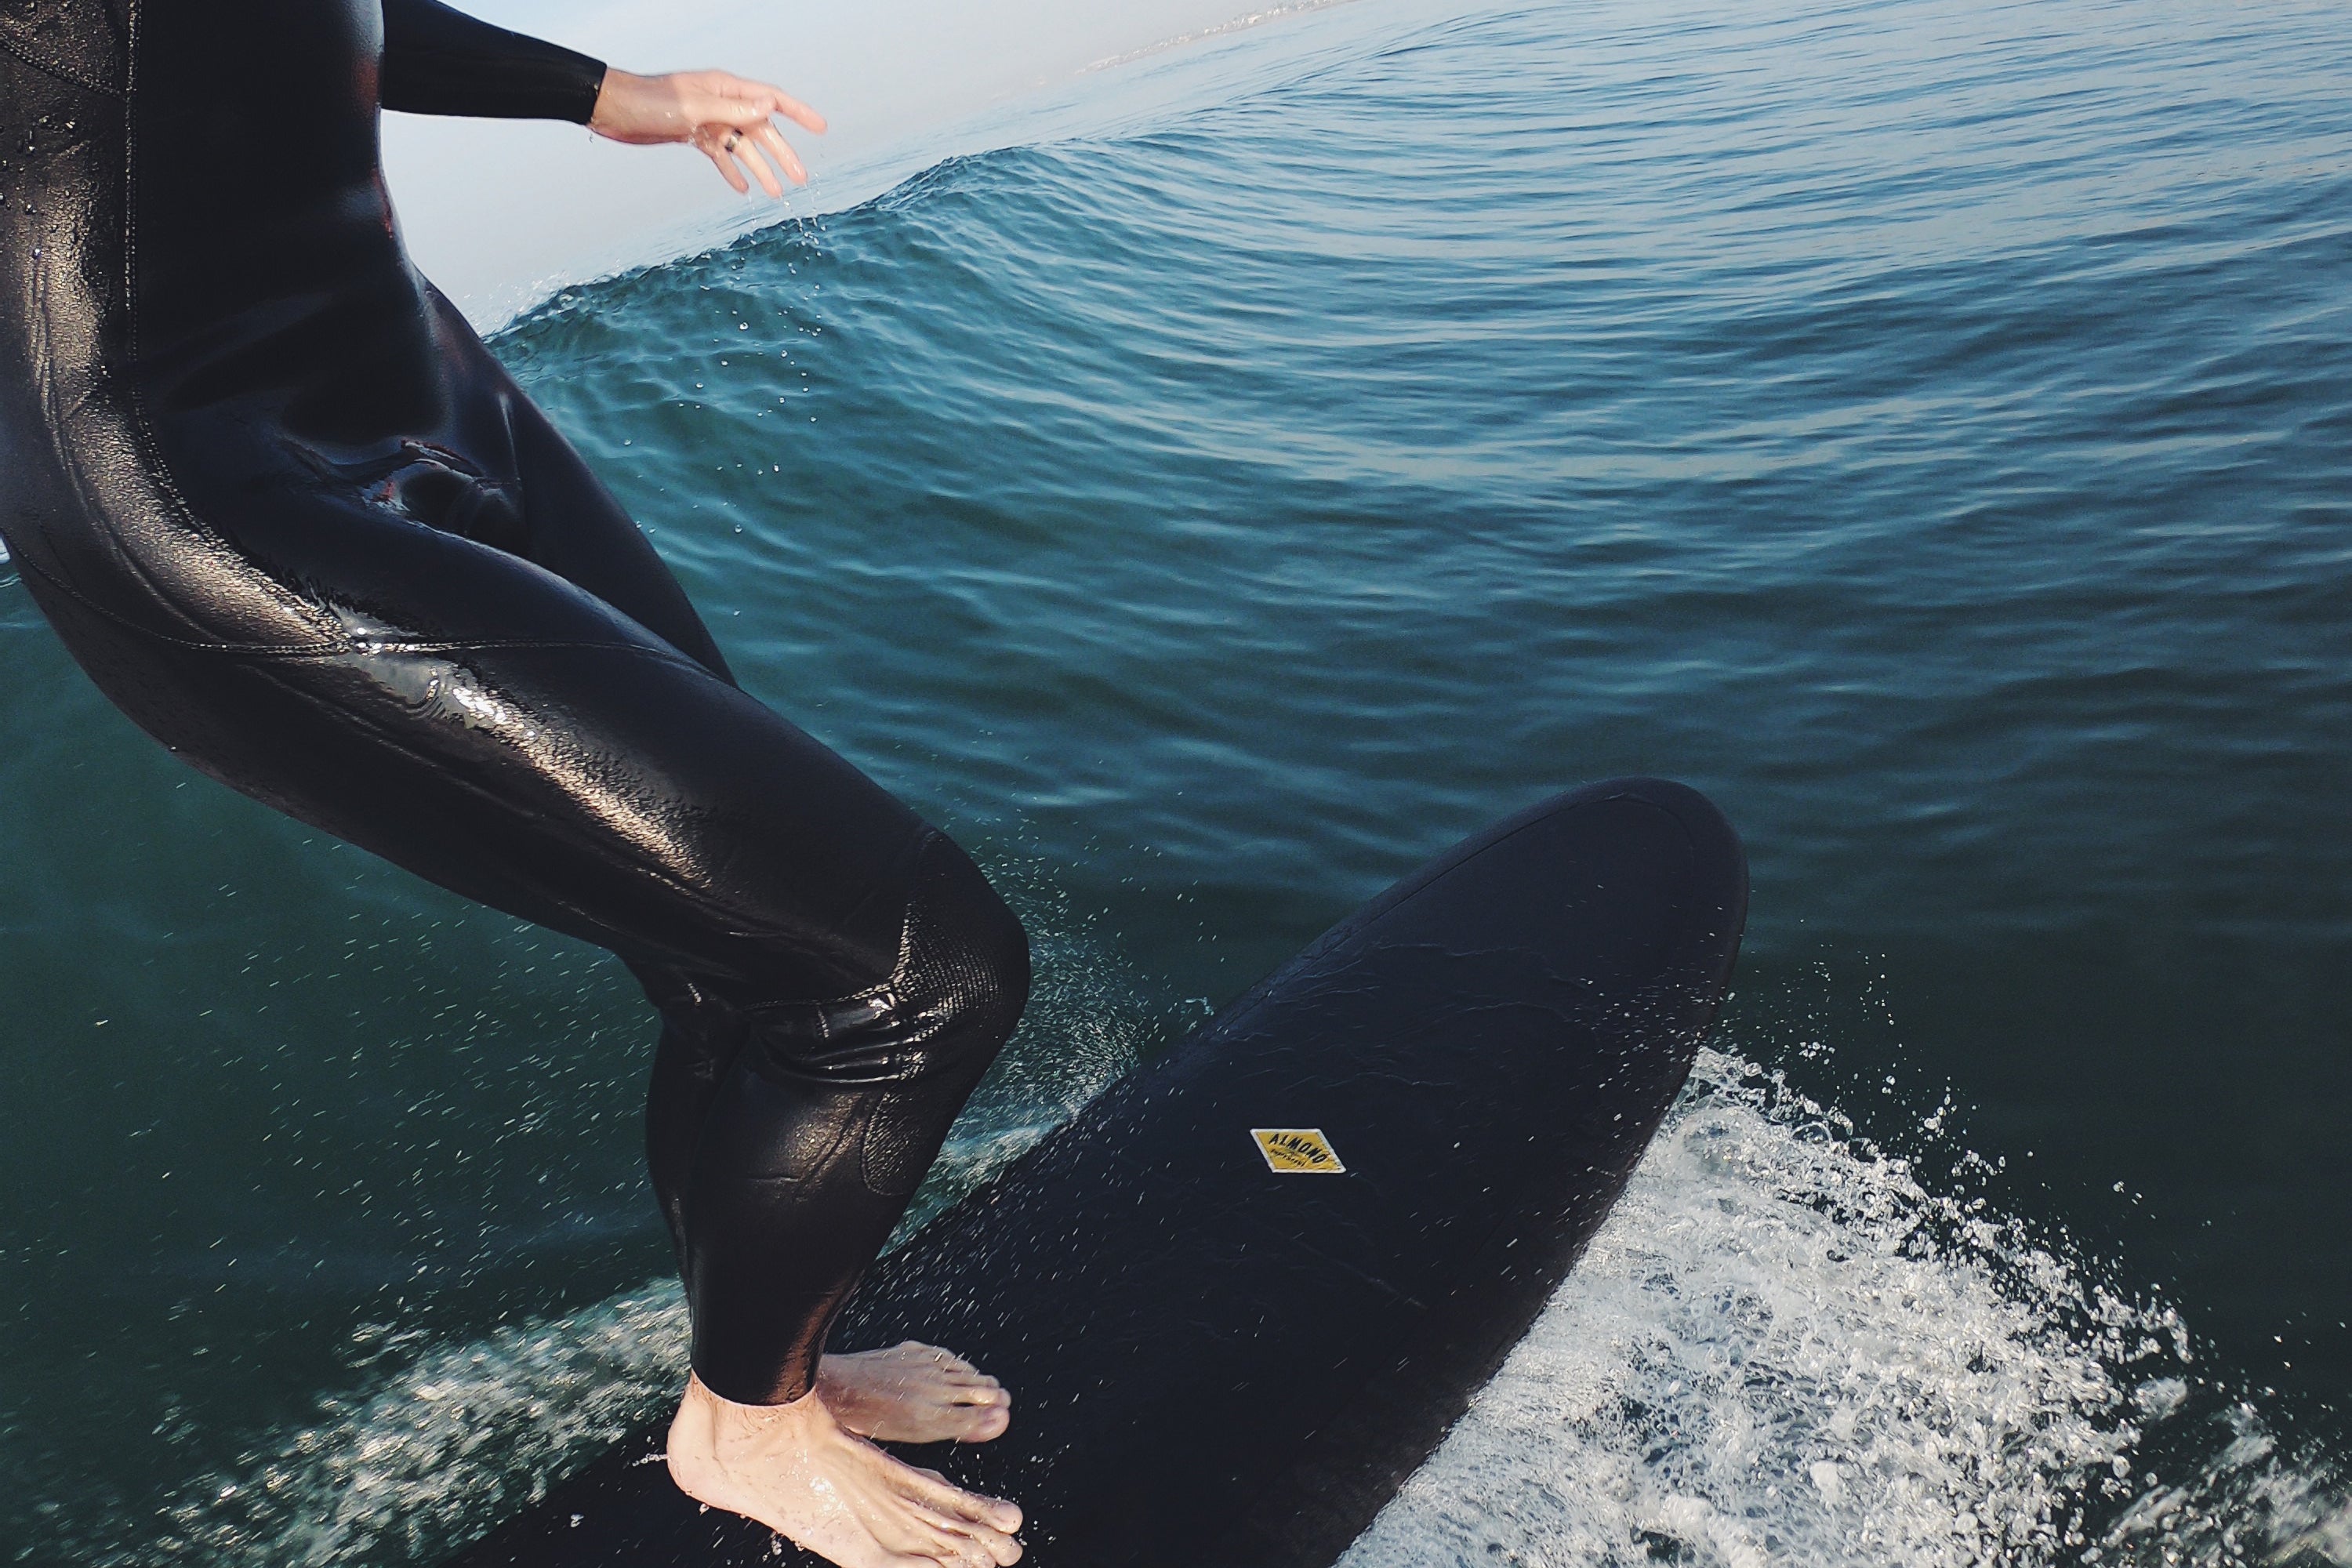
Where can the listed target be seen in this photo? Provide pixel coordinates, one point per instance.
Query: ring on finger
(729, 145)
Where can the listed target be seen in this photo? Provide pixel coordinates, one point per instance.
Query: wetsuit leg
(573, 526)
(784, 1139)
(576, 529)
(791, 1177)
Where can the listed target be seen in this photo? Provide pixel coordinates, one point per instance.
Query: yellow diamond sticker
(1297, 1151)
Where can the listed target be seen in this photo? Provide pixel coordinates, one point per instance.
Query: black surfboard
(1244, 1294)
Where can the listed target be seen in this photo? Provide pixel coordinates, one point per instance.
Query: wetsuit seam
(680, 823)
(356, 647)
(57, 72)
(600, 850)
(890, 991)
(890, 982)
(194, 645)
(159, 467)
(365, 646)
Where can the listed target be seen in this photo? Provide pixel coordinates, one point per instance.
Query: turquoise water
(1925, 427)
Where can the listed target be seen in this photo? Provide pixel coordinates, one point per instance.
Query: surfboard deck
(1245, 1292)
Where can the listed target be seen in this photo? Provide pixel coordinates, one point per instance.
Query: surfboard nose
(1621, 899)
(1627, 894)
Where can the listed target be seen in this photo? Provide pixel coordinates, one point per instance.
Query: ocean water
(1927, 427)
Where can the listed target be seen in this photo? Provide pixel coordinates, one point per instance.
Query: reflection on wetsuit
(294, 519)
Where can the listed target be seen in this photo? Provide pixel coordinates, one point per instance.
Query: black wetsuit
(294, 519)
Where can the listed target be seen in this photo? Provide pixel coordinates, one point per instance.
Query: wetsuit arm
(440, 62)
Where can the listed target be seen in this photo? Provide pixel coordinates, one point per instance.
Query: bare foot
(913, 1393)
(794, 1469)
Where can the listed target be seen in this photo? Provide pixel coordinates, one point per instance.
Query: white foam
(1782, 1348)
(452, 1434)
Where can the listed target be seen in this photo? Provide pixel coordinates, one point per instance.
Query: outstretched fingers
(732, 120)
(766, 134)
(745, 150)
(718, 144)
(792, 109)
(747, 147)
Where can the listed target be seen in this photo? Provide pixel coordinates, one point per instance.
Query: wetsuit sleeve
(440, 62)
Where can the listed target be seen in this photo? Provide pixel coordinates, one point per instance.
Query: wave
(504, 214)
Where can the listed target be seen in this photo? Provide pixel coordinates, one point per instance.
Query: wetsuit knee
(906, 1050)
(951, 1001)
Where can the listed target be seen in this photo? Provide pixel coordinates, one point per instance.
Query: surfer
(292, 518)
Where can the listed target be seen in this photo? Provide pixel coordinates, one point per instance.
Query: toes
(966, 1544)
(994, 1547)
(947, 1360)
(985, 1426)
(983, 1420)
(947, 1540)
(935, 1490)
(955, 1549)
(972, 1423)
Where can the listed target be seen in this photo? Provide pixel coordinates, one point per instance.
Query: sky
(499, 213)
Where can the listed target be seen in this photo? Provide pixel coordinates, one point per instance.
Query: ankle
(722, 1425)
(701, 1395)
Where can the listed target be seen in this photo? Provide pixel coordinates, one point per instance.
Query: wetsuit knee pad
(865, 1087)
(951, 999)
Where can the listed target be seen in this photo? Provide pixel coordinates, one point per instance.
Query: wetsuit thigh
(605, 786)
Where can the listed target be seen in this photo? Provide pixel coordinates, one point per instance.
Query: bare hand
(729, 119)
